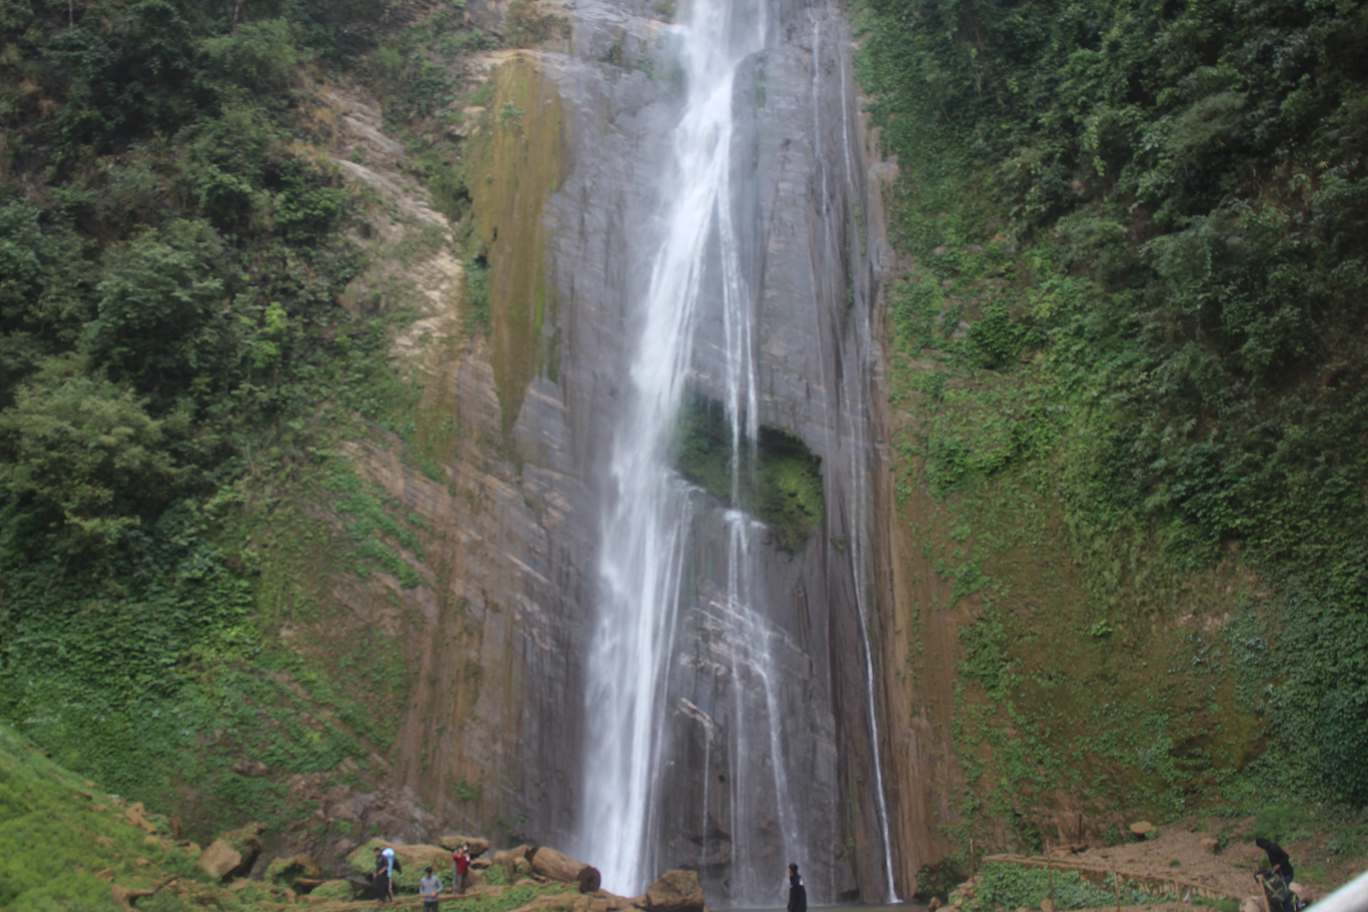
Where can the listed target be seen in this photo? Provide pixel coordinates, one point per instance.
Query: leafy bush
(1009, 886)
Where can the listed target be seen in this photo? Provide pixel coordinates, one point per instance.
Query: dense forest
(1139, 232)
(177, 337)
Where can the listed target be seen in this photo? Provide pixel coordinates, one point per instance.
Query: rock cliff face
(502, 471)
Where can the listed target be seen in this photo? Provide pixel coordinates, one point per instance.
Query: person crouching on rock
(430, 886)
(797, 892)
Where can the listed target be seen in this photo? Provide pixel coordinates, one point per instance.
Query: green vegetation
(176, 371)
(1131, 348)
(59, 831)
(1009, 886)
(779, 480)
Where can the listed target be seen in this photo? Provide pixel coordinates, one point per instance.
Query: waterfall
(645, 532)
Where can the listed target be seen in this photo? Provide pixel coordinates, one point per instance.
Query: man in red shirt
(460, 860)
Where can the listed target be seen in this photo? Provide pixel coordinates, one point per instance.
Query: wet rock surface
(496, 630)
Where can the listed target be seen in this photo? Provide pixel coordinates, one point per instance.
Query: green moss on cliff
(514, 164)
(780, 479)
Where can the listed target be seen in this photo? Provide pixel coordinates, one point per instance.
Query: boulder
(555, 865)
(675, 891)
(514, 861)
(234, 853)
(475, 844)
(289, 871)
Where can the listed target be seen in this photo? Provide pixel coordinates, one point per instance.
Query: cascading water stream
(645, 531)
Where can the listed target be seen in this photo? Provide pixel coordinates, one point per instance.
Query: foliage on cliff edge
(1134, 333)
(175, 252)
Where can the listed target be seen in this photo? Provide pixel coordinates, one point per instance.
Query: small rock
(934, 904)
(1141, 828)
(1047, 906)
(1211, 845)
(104, 842)
(135, 814)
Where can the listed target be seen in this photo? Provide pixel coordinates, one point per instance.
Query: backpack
(398, 868)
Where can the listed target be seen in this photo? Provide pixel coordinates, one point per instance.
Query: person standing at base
(460, 869)
(797, 892)
(381, 880)
(430, 886)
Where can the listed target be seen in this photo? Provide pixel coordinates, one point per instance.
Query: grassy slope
(61, 830)
(66, 843)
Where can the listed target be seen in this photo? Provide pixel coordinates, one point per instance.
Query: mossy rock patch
(775, 478)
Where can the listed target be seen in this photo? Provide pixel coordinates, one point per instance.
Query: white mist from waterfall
(646, 527)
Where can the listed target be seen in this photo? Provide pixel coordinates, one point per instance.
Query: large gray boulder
(675, 891)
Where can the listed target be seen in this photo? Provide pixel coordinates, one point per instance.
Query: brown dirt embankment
(1196, 858)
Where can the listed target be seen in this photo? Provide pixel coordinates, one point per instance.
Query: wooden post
(1116, 888)
(1051, 870)
(971, 859)
(1263, 889)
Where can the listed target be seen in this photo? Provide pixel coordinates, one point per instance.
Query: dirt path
(1194, 858)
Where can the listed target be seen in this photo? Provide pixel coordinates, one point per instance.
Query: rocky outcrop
(288, 871)
(233, 854)
(554, 865)
(475, 845)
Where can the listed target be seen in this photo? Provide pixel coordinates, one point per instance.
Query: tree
(85, 449)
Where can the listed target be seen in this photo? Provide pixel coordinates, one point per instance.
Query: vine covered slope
(1130, 388)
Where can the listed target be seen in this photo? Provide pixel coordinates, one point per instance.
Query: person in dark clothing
(381, 879)
(797, 892)
(1278, 862)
